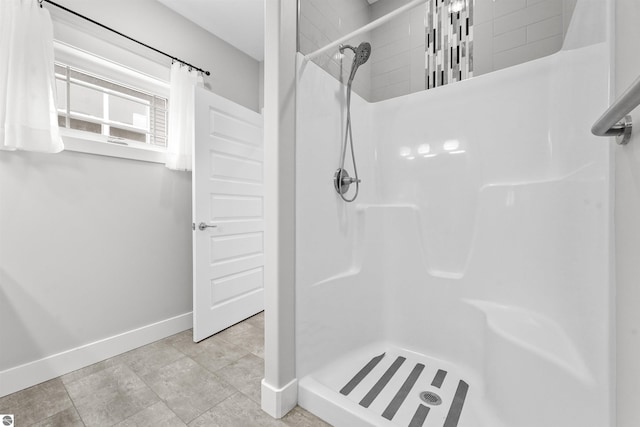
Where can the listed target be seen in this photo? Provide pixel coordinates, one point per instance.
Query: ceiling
(238, 22)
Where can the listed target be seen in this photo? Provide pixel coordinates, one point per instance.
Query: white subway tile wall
(323, 21)
(505, 33)
(510, 32)
(397, 57)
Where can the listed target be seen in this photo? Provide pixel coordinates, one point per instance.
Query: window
(122, 114)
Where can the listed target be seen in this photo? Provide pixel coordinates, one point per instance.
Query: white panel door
(228, 238)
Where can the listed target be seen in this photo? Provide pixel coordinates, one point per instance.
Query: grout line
(73, 403)
(382, 41)
(527, 24)
(393, 86)
(86, 375)
(400, 75)
(208, 409)
(529, 44)
(222, 367)
(96, 372)
(396, 68)
(160, 399)
(249, 397)
(396, 54)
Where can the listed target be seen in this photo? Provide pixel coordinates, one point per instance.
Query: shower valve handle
(348, 180)
(342, 181)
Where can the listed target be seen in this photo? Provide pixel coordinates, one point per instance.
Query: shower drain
(430, 398)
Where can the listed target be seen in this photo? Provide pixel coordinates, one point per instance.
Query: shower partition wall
(470, 283)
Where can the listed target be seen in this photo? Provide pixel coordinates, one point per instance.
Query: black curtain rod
(173, 58)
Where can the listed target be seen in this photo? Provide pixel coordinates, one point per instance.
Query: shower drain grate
(430, 398)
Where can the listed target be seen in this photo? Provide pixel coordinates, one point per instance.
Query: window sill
(82, 143)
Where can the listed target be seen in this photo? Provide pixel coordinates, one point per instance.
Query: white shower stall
(470, 284)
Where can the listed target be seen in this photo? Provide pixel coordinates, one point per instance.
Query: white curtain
(181, 117)
(28, 116)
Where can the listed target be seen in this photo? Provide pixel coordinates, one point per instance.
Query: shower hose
(348, 140)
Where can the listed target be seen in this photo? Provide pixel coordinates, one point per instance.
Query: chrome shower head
(363, 52)
(361, 55)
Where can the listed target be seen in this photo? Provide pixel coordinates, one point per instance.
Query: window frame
(91, 143)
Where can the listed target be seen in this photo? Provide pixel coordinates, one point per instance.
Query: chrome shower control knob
(342, 181)
(347, 180)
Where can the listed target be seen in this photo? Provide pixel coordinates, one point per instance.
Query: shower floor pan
(389, 387)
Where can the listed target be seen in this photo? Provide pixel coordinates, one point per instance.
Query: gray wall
(90, 247)
(94, 246)
(234, 74)
(627, 212)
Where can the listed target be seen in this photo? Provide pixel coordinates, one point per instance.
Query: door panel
(227, 176)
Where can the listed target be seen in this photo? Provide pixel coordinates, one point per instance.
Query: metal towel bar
(616, 121)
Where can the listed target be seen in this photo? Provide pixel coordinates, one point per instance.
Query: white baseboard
(277, 402)
(32, 373)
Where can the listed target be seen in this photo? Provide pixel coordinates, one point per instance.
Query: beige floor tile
(212, 383)
(149, 358)
(238, 410)
(88, 370)
(187, 388)
(110, 396)
(300, 417)
(213, 353)
(246, 375)
(245, 336)
(218, 354)
(36, 403)
(67, 418)
(158, 415)
(182, 341)
(257, 320)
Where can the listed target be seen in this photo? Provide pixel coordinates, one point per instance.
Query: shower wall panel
(328, 231)
(480, 238)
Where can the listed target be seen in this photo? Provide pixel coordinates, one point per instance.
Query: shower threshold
(392, 387)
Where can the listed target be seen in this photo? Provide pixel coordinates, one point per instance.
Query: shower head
(361, 55)
(363, 52)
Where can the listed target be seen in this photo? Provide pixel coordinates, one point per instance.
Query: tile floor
(171, 382)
